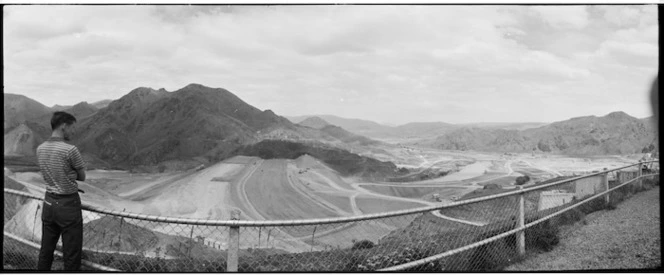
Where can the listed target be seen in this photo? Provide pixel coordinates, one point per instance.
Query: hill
(21, 141)
(57, 107)
(423, 129)
(82, 110)
(19, 109)
(102, 103)
(347, 137)
(410, 130)
(357, 126)
(148, 126)
(615, 133)
(468, 138)
(314, 122)
(345, 162)
(505, 125)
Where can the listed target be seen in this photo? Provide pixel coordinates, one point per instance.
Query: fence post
(259, 236)
(34, 222)
(120, 233)
(605, 179)
(312, 238)
(639, 173)
(191, 240)
(521, 235)
(233, 244)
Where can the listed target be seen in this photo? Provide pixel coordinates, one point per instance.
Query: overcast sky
(389, 64)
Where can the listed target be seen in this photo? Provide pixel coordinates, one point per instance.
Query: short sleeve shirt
(58, 161)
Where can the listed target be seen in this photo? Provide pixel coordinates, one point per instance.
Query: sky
(385, 63)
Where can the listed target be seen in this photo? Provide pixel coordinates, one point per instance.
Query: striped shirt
(57, 162)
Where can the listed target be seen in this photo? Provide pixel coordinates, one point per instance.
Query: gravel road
(627, 237)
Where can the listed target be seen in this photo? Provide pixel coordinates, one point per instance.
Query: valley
(307, 188)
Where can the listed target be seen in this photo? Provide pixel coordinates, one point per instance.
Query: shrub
(543, 236)
(363, 244)
(522, 180)
(492, 186)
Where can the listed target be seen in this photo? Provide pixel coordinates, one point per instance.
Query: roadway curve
(296, 243)
(510, 171)
(547, 169)
(242, 192)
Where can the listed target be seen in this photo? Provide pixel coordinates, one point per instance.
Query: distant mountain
(57, 107)
(79, 111)
(82, 110)
(423, 129)
(357, 126)
(314, 122)
(410, 130)
(483, 140)
(505, 125)
(102, 103)
(347, 137)
(19, 108)
(615, 133)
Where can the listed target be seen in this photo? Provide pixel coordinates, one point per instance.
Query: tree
(522, 180)
(648, 149)
(543, 146)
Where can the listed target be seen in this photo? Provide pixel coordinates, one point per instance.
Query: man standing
(61, 165)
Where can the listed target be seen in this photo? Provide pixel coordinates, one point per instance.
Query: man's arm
(80, 174)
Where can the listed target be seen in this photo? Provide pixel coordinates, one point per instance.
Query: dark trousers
(61, 215)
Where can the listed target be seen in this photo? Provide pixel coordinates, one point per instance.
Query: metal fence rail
(484, 232)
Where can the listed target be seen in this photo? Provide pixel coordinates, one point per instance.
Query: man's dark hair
(60, 118)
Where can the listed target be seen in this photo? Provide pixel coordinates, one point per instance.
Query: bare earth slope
(625, 238)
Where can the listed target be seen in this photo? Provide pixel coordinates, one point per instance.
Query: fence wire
(479, 232)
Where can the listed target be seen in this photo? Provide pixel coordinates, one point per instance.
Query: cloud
(24, 25)
(564, 17)
(633, 54)
(622, 16)
(385, 63)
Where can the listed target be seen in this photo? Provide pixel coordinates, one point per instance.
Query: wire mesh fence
(485, 230)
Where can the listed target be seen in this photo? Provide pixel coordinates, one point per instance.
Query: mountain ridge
(148, 126)
(408, 130)
(614, 133)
